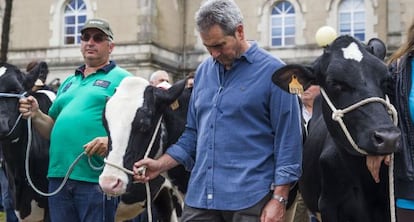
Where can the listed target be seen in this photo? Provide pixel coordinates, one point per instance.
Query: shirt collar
(249, 54)
(105, 69)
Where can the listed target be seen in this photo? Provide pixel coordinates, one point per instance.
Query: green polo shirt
(77, 112)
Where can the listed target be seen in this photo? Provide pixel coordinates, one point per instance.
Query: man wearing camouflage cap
(74, 126)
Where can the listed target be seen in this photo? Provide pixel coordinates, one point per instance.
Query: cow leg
(165, 206)
(334, 184)
(128, 211)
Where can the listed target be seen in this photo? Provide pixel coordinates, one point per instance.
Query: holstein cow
(132, 116)
(29, 205)
(352, 121)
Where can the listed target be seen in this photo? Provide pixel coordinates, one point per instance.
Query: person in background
(298, 212)
(190, 80)
(242, 142)
(74, 127)
(160, 78)
(7, 201)
(307, 99)
(401, 64)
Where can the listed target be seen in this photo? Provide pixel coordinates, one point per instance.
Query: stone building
(160, 34)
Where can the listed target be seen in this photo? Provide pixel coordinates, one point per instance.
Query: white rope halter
(337, 115)
(17, 96)
(142, 169)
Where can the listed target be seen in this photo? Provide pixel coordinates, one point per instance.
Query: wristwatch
(279, 198)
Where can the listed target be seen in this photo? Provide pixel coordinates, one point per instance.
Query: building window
(352, 18)
(283, 24)
(74, 19)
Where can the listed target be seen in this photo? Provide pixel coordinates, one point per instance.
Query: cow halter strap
(17, 96)
(337, 115)
(130, 172)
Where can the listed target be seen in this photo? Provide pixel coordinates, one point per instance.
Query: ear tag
(295, 87)
(175, 105)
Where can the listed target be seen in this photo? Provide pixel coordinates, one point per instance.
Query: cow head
(131, 117)
(13, 84)
(349, 72)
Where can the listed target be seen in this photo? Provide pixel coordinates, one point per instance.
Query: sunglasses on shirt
(98, 38)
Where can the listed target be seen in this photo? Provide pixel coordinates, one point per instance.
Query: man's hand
(146, 169)
(98, 146)
(274, 211)
(28, 107)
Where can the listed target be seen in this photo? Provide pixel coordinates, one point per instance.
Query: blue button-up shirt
(242, 135)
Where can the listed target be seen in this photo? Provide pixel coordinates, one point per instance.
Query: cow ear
(172, 93)
(377, 48)
(294, 78)
(39, 72)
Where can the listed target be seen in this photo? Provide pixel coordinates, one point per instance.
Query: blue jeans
(6, 198)
(80, 202)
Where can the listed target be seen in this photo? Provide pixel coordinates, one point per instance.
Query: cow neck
(142, 169)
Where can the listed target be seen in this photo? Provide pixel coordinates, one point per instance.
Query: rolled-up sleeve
(288, 137)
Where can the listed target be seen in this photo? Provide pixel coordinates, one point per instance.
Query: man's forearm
(167, 162)
(43, 124)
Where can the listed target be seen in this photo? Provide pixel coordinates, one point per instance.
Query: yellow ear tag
(295, 87)
(175, 105)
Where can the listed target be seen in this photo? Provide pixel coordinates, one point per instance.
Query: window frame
(283, 12)
(74, 18)
(349, 22)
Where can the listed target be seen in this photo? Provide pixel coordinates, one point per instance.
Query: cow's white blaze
(352, 52)
(2, 70)
(120, 113)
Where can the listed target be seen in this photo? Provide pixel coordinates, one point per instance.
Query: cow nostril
(116, 184)
(386, 140)
(378, 139)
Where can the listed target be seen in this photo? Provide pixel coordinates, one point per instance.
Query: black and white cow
(29, 205)
(335, 180)
(131, 117)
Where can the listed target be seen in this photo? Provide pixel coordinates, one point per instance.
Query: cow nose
(386, 141)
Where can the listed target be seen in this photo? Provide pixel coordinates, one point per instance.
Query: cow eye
(387, 85)
(336, 86)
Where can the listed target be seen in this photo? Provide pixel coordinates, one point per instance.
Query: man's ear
(240, 32)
